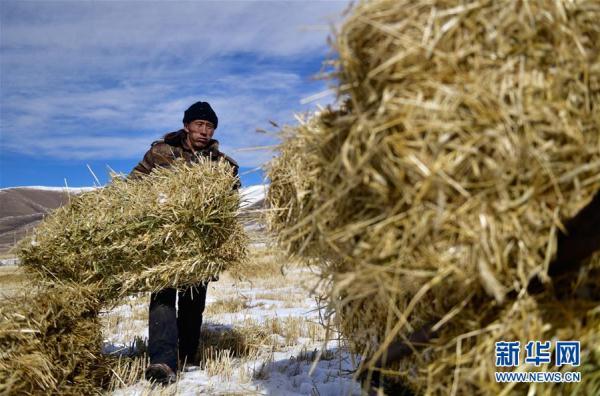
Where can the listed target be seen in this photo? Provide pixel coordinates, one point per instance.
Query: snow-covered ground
(262, 334)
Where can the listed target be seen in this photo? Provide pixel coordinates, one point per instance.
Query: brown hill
(23, 208)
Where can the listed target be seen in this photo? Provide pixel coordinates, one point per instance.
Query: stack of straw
(176, 227)
(50, 342)
(469, 131)
(173, 228)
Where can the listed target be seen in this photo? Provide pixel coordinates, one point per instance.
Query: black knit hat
(200, 111)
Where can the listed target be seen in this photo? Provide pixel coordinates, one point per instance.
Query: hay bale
(468, 133)
(463, 362)
(172, 228)
(294, 176)
(50, 341)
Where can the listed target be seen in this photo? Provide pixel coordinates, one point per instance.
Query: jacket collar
(178, 139)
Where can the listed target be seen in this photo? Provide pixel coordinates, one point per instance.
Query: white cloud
(68, 34)
(86, 147)
(104, 79)
(92, 122)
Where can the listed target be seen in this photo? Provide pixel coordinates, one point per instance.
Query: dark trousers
(170, 330)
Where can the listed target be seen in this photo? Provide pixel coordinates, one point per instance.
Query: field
(262, 333)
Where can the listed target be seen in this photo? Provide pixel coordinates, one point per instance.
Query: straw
(466, 134)
(176, 227)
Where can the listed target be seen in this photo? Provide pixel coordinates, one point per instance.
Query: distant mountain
(21, 208)
(253, 197)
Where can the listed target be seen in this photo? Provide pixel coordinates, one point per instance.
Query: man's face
(199, 133)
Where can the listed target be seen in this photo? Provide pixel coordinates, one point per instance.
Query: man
(174, 331)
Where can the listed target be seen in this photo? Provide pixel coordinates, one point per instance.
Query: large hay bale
(468, 132)
(50, 342)
(173, 228)
(462, 361)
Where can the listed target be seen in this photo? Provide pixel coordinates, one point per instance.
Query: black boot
(160, 373)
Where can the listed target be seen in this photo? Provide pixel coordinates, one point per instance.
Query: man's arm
(238, 181)
(144, 167)
(236, 168)
(160, 154)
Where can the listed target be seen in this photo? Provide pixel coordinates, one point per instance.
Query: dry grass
(291, 328)
(127, 371)
(219, 363)
(228, 305)
(289, 298)
(12, 279)
(250, 337)
(232, 351)
(223, 349)
(244, 340)
(467, 134)
(262, 264)
(11, 275)
(50, 340)
(236, 351)
(39, 327)
(175, 227)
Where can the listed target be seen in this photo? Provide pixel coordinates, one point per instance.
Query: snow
(74, 190)
(292, 375)
(288, 374)
(282, 367)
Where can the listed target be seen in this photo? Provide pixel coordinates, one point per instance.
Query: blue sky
(94, 83)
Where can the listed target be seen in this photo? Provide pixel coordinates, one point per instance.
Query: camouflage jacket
(173, 145)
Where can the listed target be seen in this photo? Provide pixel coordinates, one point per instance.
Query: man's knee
(163, 297)
(193, 299)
